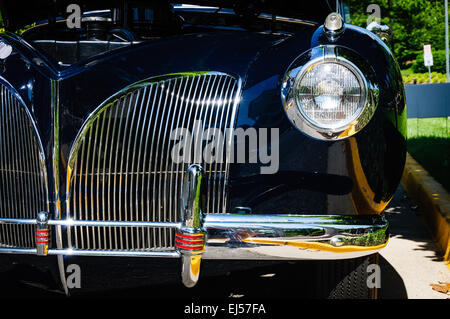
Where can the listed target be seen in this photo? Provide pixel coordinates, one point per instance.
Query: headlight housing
(327, 96)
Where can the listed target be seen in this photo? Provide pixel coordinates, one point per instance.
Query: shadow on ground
(405, 222)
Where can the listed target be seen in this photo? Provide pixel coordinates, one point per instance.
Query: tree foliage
(413, 24)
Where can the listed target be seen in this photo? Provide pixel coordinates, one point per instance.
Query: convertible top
(17, 14)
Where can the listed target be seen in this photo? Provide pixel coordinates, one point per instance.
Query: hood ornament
(333, 26)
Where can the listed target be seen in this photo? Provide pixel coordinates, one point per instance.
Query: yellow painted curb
(434, 201)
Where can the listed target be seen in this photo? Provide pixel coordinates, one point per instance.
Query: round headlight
(329, 95)
(326, 95)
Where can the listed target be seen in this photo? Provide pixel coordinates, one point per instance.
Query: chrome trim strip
(20, 251)
(79, 252)
(99, 223)
(286, 19)
(114, 253)
(18, 221)
(55, 152)
(92, 223)
(55, 159)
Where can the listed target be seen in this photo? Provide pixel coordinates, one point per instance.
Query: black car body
(88, 114)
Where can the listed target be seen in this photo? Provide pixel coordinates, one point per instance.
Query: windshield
(16, 15)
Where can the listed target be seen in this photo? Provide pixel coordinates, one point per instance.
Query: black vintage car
(181, 132)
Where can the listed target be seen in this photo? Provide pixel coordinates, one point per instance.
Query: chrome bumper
(234, 236)
(293, 237)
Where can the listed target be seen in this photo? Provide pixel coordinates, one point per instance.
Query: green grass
(422, 78)
(407, 71)
(429, 144)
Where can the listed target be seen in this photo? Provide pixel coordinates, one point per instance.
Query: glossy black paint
(313, 176)
(304, 180)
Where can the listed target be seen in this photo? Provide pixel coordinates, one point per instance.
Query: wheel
(346, 279)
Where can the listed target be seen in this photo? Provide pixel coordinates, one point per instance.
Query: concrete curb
(434, 201)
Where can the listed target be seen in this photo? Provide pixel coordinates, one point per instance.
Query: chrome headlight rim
(306, 62)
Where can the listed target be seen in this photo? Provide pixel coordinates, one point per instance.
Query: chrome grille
(120, 167)
(23, 188)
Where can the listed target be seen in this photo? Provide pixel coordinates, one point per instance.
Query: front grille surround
(119, 168)
(23, 175)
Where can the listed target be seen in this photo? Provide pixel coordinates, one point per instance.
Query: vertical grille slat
(135, 181)
(18, 190)
(121, 164)
(145, 131)
(23, 179)
(224, 166)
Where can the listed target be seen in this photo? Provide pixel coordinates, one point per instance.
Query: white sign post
(428, 58)
(447, 62)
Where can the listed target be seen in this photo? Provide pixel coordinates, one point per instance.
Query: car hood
(16, 14)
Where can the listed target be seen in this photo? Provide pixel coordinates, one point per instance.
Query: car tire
(345, 279)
